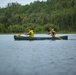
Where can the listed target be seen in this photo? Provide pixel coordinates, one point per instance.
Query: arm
(28, 33)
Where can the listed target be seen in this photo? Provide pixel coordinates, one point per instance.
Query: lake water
(42, 57)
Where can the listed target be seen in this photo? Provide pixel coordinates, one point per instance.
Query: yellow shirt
(31, 33)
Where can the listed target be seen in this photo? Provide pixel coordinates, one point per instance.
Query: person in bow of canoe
(30, 32)
(52, 32)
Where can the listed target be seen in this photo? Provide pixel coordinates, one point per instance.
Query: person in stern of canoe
(52, 32)
(30, 32)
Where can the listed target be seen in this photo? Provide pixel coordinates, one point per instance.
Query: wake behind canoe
(39, 38)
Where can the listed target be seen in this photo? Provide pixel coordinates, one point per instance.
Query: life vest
(52, 32)
(31, 33)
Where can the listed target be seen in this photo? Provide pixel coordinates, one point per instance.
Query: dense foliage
(40, 15)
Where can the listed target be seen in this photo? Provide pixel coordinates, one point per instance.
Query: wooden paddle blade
(19, 34)
(58, 37)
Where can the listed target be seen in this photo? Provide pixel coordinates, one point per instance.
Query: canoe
(40, 38)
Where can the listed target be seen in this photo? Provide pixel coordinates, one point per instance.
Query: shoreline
(40, 33)
(60, 32)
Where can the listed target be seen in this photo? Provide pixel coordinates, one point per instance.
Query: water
(43, 57)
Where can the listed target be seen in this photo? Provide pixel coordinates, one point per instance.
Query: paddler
(30, 32)
(52, 32)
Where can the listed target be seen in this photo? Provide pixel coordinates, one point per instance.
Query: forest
(39, 15)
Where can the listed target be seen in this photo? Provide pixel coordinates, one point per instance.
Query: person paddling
(52, 32)
(30, 32)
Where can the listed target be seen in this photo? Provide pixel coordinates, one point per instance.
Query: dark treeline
(40, 15)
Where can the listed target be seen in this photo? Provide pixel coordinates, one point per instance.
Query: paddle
(19, 34)
(58, 37)
(25, 33)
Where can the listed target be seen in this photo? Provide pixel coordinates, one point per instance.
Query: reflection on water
(44, 57)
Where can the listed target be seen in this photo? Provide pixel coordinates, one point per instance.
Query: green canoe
(40, 38)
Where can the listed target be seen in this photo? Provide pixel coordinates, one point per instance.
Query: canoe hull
(40, 38)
